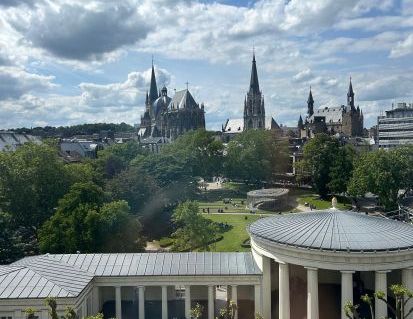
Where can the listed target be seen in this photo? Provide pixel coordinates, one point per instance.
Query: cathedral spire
(300, 123)
(153, 91)
(254, 85)
(350, 95)
(310, 104)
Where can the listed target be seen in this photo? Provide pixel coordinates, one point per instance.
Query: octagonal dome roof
(335, 230)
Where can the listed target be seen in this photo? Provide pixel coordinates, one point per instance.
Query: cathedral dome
(161, 103)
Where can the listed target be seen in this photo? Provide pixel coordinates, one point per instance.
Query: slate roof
(332, 114)
(237, 125)
(11, 141)
(40, 277)
(163, 264)
(335, 230)
(67, 275)
(183, 99)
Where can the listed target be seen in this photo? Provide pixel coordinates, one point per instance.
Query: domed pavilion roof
(335, 230)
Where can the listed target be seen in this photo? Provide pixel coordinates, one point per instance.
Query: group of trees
(69, 131)
(333, 168)
(126, 193)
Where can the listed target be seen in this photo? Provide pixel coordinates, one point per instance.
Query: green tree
(85, 221)
(32, 180)
(201, 151)
(341, 169)
(326, 164)
(115, 158)
(137, 188)
(382, 173)
(11, 245)
(193, 230)
(255, 156)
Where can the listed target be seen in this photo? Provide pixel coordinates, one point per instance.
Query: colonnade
(187, 300)
(313, 295)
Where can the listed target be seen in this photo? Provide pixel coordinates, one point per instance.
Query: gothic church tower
(254, 111)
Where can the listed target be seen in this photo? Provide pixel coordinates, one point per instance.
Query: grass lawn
(234, 237)
(321, 204)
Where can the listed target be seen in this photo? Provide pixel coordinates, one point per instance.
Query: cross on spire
(187, 83)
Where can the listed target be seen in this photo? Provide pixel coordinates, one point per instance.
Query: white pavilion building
(305, 265)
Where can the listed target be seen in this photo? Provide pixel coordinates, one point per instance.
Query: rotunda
(314, 262)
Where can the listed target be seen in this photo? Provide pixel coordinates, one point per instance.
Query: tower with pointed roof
(254, 110)
(167, 117)
(350, 96)
(310, 104)
(345, 119)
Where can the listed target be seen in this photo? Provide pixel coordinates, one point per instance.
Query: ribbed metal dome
(335, 230)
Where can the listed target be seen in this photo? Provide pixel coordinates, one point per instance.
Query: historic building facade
(344, 119)
(254, 111)
(169, 117)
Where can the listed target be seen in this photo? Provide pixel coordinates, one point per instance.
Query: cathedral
(254, 110)
(345, 119)
(168, 117)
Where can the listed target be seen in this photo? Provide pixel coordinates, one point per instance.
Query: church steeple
(153, 91)
(254, 85)
(310, 104)
(300, 123)
(350, 95)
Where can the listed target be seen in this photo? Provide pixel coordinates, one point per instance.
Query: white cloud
(403, 48)
(15, 82)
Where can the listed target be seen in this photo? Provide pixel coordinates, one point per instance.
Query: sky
(65, 62)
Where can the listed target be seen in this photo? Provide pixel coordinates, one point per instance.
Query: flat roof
(66, 275)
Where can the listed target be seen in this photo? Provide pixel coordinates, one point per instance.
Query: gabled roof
(66, 275)
(41, 277)
(183, 99)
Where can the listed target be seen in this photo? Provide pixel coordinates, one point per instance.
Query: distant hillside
(82, 129)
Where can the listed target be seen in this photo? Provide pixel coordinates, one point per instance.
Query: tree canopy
(383, 173)
(192, 229)
(85, 221)
(327, 164)
(255, 156)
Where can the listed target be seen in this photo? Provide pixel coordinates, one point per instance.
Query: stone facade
(170, 117)
(254, 110)
(345, 119)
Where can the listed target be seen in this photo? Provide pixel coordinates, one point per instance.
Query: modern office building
(305, 265)
(396, 127)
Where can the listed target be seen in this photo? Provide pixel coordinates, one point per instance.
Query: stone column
(188, 302)
(118, 302)
(257, 299)
(407, 280)
(346, 290)
(164, 302)
(312, 293)
(45, 314)
(284, 291)
(95, 300)
(234, 298)
(380, 308)
(84, 307)
(141, 302)
(266, 287)
(18, 314)
(211, 304)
